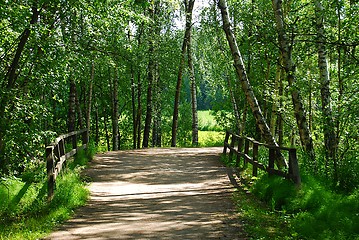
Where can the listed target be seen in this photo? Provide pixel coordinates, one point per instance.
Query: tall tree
(72, 106)
(246, 86)
(150, 75)
(193, 92)
(115, 111)
(189, 8)
(289, 66)
(330, 140)
(89, 100)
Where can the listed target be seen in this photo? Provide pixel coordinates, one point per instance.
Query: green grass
(259, 221)
(24, 210)
(317, 212)
(273, 208)
(210, 138)
(207, 122)
(210, 134)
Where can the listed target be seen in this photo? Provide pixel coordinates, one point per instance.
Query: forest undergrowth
(24, 210)
(274, 208)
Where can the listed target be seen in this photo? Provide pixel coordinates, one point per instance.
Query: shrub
(318, 212)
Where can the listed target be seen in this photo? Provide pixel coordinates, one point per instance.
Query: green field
(210, 133)
(207, 122)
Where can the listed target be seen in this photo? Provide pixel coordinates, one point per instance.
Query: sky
(197, 9)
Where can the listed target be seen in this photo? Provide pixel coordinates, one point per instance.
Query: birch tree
(289, 67)
(193, 92)
(189, 8)
(246, 86)
(330, 141)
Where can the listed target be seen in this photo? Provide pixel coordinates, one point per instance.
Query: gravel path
(173, 193)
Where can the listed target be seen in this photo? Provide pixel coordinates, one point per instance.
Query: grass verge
(24, 211)
(272, 207)
(210, 138)
(259, 221)
(316, 212)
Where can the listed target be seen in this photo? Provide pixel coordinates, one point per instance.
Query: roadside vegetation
(273, 208)
(136, 73)
(210, 133)
(24, 210)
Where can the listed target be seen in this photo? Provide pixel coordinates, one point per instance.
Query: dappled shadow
(155, 194)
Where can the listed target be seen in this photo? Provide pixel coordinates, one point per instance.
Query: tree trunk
(244, 119)
(189, 8)
(274, 114)
(89, 102)
(115, 134)
(247, 88)
(280, 114)
(193, 93)
(139, 95)
(157, 115)
(79, 111)
(285, 49)
(133, 103)
(72, 107)
(105, 119)
(146, 132)
(150, 77)
(139, 109)
(329, 125)
(97, 130)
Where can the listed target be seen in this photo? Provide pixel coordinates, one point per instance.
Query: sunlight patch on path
(155, 194)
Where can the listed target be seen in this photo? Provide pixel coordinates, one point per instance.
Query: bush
(24, 210)
(317, 212)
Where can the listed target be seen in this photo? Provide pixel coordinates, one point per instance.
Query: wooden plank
(67, 135)
(274, 152)
(231, 147)
(226, 145)
(57, 148)
(271, 158)
(239, 149)
(294, 167)
(255, 159)
(50, 172)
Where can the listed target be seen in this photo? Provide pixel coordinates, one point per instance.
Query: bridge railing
(247, 148)
(56, 156)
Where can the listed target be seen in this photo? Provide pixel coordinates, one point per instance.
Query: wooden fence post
(50, 172)
(85, 137)
(226, 143)
(61, 148)
(233, 139)
(255, 159)
(74, 141)
(272, 155)
(246, 151)
(239, 149)
(294, 167)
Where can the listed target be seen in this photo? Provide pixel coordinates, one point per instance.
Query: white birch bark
(304, 132)
(330, 141)
(189, 8)
(246, 86)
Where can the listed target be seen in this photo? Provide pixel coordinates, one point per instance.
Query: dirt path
(156, 194)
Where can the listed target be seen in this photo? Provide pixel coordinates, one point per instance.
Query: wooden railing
(251, 147)
(56, 156)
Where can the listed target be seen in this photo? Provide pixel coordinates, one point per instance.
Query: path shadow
(156, 194)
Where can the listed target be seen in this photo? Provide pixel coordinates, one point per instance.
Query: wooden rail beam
(56, 156)
(292, 172)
